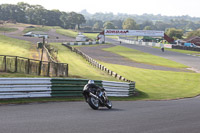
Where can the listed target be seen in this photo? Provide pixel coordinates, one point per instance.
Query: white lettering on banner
(134, 32)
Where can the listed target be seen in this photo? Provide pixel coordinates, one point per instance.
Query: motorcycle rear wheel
(93, 102)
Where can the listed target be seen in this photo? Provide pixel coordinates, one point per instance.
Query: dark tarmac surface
(97, 53)
(175, 116)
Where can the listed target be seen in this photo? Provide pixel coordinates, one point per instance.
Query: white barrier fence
(120, 89)
(152, 44)
(25, 87)
(48, 87)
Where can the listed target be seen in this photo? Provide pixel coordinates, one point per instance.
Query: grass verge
(5, 29)
(142, 57)
(72, 33)
(10, 46)
(156, 85)
(78, 66)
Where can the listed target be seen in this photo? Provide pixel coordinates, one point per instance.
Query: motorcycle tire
(94, 103)
(109, 104)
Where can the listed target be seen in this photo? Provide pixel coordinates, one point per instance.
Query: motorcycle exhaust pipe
(91, 94)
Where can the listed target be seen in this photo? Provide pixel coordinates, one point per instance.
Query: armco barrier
(25, 87)
(152, 44)
(84, 43)
(96, 64)
(55, 87)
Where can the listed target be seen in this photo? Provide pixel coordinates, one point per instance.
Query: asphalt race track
(175, 116)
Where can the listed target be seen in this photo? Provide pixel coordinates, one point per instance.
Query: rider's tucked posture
(91, 87)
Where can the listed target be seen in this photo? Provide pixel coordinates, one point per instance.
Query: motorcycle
(97, 98)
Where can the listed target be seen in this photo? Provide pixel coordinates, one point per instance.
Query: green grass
(142, 57)
(72, 33)
(45, 28)
(12, 75)
(5, 29)
(65, 32)
(15, 47)
(156, 85)
(78, 66)
(91, 35)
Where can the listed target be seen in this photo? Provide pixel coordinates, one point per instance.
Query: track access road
(175, 116)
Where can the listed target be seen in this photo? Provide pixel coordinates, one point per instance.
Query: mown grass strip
(142, 57)
(156, 85)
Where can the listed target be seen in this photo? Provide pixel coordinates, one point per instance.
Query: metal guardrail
(96, 64)
(56, 87)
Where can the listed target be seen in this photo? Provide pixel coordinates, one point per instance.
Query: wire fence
(34, 67)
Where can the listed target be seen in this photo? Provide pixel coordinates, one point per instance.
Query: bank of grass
(78, 66)
(157, 85)
(38, 28)
(142, 57)
(6, 29)
(66, 32)
(15, 47)
(14, 75)
(72, 33)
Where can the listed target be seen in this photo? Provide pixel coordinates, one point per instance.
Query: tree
(193, 33)
(80, 20)
(108, 25)
(146, 24)
(96, 26)
(160, 25)
(175, 33)
(147, 28)
(130, 24)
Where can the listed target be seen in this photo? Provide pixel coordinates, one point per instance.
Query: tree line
(174, 26)
(37, 14)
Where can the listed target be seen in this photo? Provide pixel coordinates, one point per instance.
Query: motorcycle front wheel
(93, 102)
(109, 104)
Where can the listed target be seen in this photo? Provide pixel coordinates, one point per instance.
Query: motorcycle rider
(91, 85)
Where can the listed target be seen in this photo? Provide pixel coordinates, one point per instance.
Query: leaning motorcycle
(97, 98)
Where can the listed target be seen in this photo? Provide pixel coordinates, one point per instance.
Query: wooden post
(5, 65)
(16, 64)
(67, 68)
(40, 67)
(48, 71)
(56, 69)
(28, 65)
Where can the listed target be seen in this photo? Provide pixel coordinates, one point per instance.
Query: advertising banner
(118, 32)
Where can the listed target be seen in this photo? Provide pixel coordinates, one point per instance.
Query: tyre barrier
(56, 87)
